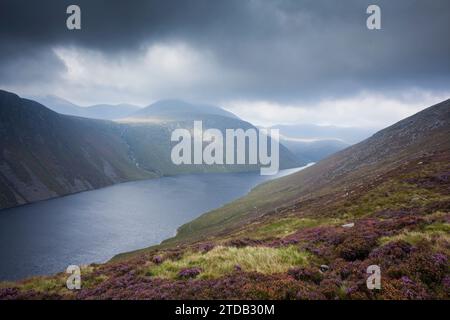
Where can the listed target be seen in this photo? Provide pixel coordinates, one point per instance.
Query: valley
(275, 151)
(310, 235)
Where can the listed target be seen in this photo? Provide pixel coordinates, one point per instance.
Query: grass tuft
(223, 260)
(436, 233)
(283, 227)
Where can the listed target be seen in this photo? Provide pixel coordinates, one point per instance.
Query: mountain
(60, 105)
(46, 154)
(173, 114)
(110, 112)
(383, 203)
(304, 150)
(99, 111)
(311, 143)
(179, 110)
(313, 150)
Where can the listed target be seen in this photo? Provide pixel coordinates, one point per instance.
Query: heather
(318, 262)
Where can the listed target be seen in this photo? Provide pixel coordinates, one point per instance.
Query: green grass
(438, 227)
(438, 234)
(57, 284)
(222, 260)
(390, 195)
(44, 284)
(279, 228)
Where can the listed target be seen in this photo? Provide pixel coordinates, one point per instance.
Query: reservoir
(93, 226)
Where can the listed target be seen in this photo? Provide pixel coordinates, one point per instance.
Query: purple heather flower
(406, 280)
(157, 259)
(205, 247)
(446, 282)
(440, 258)
(189, 273)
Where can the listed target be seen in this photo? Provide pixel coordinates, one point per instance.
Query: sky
(268, 61)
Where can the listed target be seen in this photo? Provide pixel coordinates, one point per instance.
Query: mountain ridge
(98, 111)
(173, 109)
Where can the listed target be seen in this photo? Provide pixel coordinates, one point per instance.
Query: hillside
(46, 154)
(409, 144)
(310, 235)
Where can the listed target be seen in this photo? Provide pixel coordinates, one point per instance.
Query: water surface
(47, 236)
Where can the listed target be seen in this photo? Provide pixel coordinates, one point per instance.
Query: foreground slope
(311, 235)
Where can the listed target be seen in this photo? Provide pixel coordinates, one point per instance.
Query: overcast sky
(269, 62)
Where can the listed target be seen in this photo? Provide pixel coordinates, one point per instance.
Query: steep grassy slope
(311, 235)
(331, 181)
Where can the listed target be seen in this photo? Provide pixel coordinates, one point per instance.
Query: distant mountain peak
(98, 111)
(174, 109)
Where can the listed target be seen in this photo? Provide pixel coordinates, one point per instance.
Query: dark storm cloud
(281, 50)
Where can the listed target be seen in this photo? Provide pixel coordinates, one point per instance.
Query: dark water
(93, 226)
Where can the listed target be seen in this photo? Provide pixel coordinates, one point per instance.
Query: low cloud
(366, 110)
